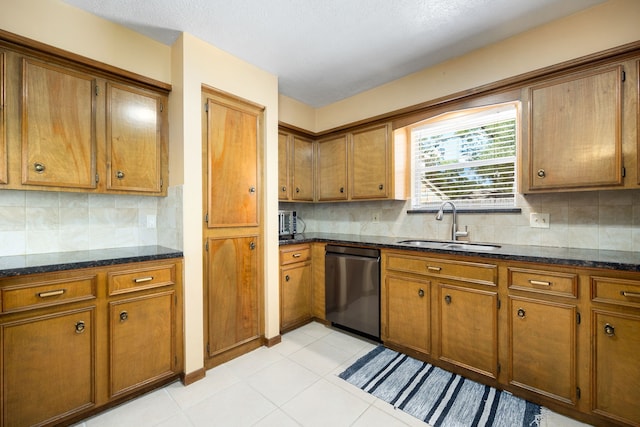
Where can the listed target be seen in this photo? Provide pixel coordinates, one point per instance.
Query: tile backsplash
(594, 220)
(40, 221)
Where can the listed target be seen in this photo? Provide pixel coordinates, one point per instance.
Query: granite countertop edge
(570, 257)
(21, 265)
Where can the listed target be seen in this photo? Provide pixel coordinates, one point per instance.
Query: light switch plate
(151, 221)
(539, 220)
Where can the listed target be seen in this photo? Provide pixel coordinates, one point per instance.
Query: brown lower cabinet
(565, 337)
(76, 341)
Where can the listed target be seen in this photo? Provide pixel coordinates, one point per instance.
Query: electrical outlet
(539, 220)
(375, 217)
(151, 221)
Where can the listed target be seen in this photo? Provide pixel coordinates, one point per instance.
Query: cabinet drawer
(138, 279)
(484, 274)
(45, 293)
(545, 282)
(297, 253)
(615, 291)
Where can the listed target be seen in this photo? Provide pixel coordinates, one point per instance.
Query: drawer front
(484, 274)
(545, 282)
(45, 293)
(137, 279)
(298, 253)
(615, 291)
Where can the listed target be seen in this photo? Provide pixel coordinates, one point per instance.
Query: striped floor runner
(436, 396)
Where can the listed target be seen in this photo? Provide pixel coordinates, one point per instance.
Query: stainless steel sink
(439, 244)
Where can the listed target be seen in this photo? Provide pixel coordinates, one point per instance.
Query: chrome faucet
(454, 227)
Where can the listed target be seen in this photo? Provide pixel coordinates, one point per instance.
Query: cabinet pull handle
(609, 330)
(447, 299)
(287, 278)
(51, 293)
(80, 327)
(123, 316)
(421, 293)
(521, 313)
(119, 174)
(296, 255)
(39, 167)
(539, 283)
(541, 173)
(143, 279)
(630, 294)
(430, 268)
(252, 245)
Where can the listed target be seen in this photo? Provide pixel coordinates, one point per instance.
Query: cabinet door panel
(284, 190)
(408, 319)
(332, 169)
(295, 294)
(469, 328)
(232, 292)
(58, 126)
(302, 169)
(47, 367)
(141, 340)
(3, 132)
(232, 166)
(575, 131)
(543, 352)
(370, 163)
(616, 371)
(133, 139)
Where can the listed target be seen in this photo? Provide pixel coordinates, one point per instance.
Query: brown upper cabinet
(332, 168)
(295, 168)
(361, 164)
(68, 123)
(3, 132)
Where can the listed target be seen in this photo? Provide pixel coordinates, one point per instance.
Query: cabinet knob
(609, 330)
(297, 189)
(287, 278)
(541, 173)
(521, 313)
(252, 190)
(421, 293)
(119, 174)
(380, 187)
(124, 316)
(342, 189)
(80, 327)
(283, 189)
(447, 299)
(38, 167)
(252, 245)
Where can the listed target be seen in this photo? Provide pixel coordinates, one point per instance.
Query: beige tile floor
(294, 383)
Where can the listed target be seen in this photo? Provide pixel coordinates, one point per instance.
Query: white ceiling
(327, 50)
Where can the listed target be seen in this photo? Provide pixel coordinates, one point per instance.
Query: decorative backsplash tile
(593, 220)
(41, 222)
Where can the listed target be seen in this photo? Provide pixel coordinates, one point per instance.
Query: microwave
(287, 221)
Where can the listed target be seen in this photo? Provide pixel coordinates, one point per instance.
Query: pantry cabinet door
(58, 126)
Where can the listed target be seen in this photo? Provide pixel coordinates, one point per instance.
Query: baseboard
(194, 376)
(270, 342)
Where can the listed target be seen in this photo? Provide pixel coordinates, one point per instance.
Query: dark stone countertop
(20, 265)
(572, 257)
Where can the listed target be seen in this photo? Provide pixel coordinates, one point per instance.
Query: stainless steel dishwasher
(352, 289)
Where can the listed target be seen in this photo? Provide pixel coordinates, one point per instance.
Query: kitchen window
(467, 157)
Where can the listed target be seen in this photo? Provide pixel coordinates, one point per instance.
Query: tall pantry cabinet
(233, 246)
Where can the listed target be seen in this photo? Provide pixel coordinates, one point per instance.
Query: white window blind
(467, 157)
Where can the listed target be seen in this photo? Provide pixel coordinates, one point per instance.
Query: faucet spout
(454, 226)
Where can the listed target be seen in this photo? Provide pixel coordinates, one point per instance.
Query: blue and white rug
(436, 396)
